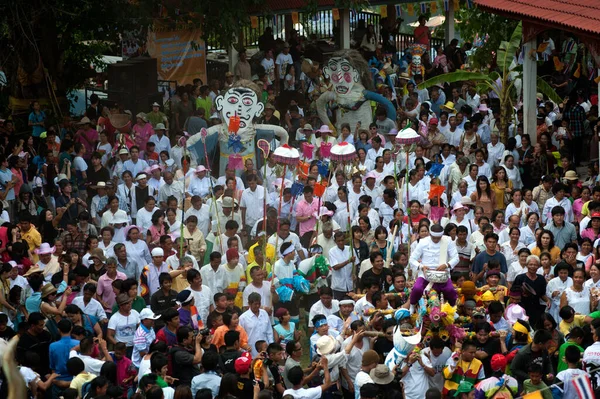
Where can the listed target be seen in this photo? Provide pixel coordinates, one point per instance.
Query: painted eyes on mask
(232, 100)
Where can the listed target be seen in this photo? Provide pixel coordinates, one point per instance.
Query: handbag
(435, 276)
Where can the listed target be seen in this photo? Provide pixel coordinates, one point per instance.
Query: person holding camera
(187, 354)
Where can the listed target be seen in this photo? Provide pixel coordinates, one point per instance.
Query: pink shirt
(88, 139)
(142, 135)
(304, 209)
(577, 206)
(105, 290)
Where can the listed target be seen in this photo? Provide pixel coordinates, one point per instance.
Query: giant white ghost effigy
(352, 91)
(239, 101)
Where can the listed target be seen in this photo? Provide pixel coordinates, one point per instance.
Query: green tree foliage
(475, 22)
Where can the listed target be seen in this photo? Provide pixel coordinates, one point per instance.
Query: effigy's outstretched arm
(378, 98)
(280, 132)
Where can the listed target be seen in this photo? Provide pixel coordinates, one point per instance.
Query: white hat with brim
(84, 120)
(381, 375)
(228, 202)
(458, 206)
(155, 104)
(142, 116)
(466, 201)
(120, 218)
(515, 312)
(325, 345)
(100, 184)
(45, 249)
(200, 168)
(160, 126)
(123, 151)
(148, 314)
(325, 129)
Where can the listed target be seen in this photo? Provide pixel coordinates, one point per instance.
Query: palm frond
(547, 90)
(508, 49)
(453, 77)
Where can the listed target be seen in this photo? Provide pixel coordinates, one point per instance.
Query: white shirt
(174, 189)
(253, 202)
(264, 291)
(495, 153)
(551, 203)
(257, 327)
(239, 184)
(162, 143)
(143, 220)
(282, 61)
(319, 308)
(304, 393)
(199, 187)
(203, 300)
(372, 154)
(354, 359)
(215, 280)
(136, 167)
(92, 365)
(514, 270)
(341, 280)
(93, 308)
(203, 215)
(427, 253)
(437, 363)
(416, 381)
(124, 326)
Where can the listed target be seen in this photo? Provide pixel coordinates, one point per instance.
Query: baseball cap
(242, 364)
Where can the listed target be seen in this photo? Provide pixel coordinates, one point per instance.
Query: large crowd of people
(132, 269)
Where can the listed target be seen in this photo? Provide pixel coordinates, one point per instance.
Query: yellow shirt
(554, 253)
(34, 240)
(578, 321)
(81, 378)
(180, 283)
(270, 253)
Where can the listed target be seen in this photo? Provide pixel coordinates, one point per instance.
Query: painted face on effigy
(342, 74)
(242, 102)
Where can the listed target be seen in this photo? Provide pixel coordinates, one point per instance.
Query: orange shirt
(219, 336)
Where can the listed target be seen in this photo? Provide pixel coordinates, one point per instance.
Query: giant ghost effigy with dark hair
(352, 92)
(242, 101)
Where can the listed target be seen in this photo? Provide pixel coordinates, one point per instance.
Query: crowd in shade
(463, 265)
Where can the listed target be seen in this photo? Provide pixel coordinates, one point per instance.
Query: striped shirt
(455, 372)
(141, 343)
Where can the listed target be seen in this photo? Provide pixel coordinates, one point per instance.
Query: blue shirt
(37, 118)
(33, 303)
(208, 379)
(59, 355)
(5, 177)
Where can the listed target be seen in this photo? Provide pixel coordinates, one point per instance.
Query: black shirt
(159, 302)
(227, 360)
(95, 176)
(533, 290)
(245, 387)
(277, 379)
(39, 344)
(381, 278)
(383, 346)
(491, 347)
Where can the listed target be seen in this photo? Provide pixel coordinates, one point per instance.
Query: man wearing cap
(123, 324)
(100, 189)
(149, 277)
(160, 139)
(144, 336)
(438, 254)
(155, 116)
(499, 384)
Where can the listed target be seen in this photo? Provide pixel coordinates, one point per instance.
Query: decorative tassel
(236, 162)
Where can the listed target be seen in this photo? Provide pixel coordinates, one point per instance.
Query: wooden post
(345, 28)
(449, 25)
(529, 90)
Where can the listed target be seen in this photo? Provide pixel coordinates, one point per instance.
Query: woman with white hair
(533, 286)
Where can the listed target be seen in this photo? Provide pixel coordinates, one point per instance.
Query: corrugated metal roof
(583, 15)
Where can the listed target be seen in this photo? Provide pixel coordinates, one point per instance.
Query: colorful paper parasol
(286, 155)
(343, 152)
(408, 136)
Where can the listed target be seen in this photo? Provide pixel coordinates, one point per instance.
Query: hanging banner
(180, 55)
(411, 9)
(446, 5)
(398, 11)
(433, 7)
(469, 4)
(254, 22)
(423, 8)
(336, 14)
(294, 18)
(383, 11)
(456, 5)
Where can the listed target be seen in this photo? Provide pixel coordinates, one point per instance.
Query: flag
(294, 17)
(254, 22)
(411, 9)
(423, 8)
(583, 386)
(446, 5)
(383, 11)
(533, 395)
(433, 7)
(398, 11)
(436, 191)
(336, 14)
(456, 5)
